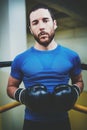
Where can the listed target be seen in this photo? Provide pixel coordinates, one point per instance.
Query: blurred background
(15, 38)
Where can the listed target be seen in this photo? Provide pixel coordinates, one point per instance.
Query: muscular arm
(78, 81)
(12, 86)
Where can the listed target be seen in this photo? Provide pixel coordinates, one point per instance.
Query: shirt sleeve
(76, 69)
(16, 69)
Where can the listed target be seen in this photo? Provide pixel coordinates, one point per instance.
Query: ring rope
(11, 105)
(80, 108)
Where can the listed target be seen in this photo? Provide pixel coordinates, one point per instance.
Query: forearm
(13, 85)
(10, 91)
(78, 81)
(80, 85)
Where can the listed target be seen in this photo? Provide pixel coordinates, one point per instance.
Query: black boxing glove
(65, 96)
(35, 97)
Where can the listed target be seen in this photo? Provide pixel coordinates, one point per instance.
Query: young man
(45, 70)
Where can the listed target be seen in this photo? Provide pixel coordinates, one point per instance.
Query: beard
(44, 38)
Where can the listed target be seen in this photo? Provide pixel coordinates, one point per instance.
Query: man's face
(42, 26)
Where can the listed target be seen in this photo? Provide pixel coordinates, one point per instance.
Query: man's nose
(41, 25)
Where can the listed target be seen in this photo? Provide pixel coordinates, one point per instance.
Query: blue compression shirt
(50, 68)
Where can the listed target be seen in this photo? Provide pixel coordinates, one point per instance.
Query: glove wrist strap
(17, 94)
(78, 90)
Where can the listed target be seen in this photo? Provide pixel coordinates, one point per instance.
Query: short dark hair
(38, 6)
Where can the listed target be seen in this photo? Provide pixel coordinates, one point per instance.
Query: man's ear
(55, 24)
(30, 30)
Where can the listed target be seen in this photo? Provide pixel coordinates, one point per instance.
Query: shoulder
(23, 54)
(69, 51)
(70, 54)
(20, 58)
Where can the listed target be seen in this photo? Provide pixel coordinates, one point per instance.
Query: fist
(65, 97)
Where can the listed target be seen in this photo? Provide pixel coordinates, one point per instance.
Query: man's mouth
(42, 34)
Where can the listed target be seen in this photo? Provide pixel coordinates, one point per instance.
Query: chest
(43, 63)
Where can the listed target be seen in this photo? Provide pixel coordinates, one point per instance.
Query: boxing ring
(8, 106)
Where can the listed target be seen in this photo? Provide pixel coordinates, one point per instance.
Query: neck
(51, 46)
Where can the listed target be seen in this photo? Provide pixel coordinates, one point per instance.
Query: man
(45, 70)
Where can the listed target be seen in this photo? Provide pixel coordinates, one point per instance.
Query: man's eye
(45, 21)
(35, 23)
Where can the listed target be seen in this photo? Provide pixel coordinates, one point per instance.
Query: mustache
(42, 33)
